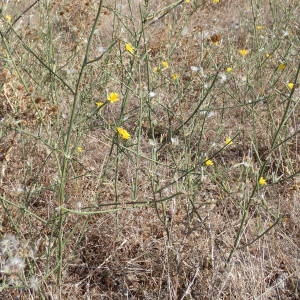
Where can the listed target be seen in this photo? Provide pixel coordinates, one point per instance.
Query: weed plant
(149, 149)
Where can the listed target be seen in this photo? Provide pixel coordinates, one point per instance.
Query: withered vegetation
(86, 214)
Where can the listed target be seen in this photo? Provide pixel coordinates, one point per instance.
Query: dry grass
(88, 215)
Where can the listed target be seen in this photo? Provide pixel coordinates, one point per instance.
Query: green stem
(67, 155)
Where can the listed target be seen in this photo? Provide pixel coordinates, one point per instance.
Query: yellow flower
(123, 133)
(99, 103)
(208, 162)
(228, 141)
(187, 1)
(165, 64)
(129, 48)
(229, 70)
(262, 181)
(8, 18)
(215, 1)
(155, 70)
(175, 76)
(113, 97)
(281, 66)
(244, 52)
(290, 85)
(79, 149)
(259, 27)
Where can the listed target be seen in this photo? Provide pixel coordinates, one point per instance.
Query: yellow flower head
(208, 162)
(113, 97)
(129, 48)
(175, 76)
(155, 69)
(244, 52)
(229, 70)
(187, 1)
(99, 103)
(262, 181)
(165, 64)
(290, 85)
(123, 133)
(259, 27)
(8, 18)
(281, 66)
(228, 141)
(79, 149)
(215, 1)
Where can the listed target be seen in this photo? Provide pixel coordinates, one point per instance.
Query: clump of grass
(148, 151)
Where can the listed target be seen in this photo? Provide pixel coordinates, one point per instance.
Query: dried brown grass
(171, 251)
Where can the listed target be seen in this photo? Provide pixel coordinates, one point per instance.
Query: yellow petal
(175, 76)
(262, 181)
(165, 64)
(208, 162)
(129, 48)
(228, 141)
(244, 52)
(123, 133)
(281, 66)
(113, 97)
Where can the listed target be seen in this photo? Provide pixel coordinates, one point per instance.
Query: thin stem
(67, 155)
